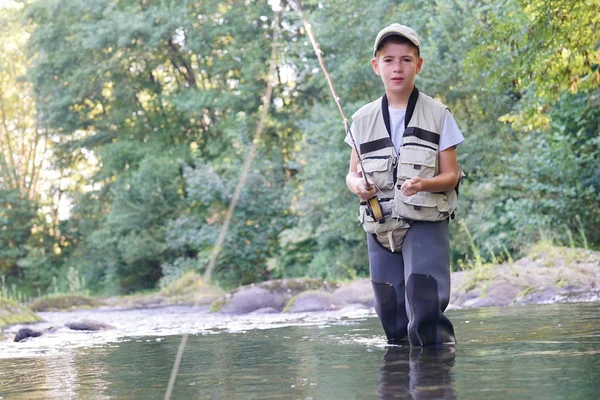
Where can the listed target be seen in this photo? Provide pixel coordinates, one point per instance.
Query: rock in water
(88, 325)
(25, 333)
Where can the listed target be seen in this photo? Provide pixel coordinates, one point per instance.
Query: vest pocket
(417, 161)
(380, 171)
(444, 203)
(422, 206)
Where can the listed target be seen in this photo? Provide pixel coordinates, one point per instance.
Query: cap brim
(387, 35)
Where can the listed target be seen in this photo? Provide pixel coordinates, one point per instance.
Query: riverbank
(548, 274)
(13, 313)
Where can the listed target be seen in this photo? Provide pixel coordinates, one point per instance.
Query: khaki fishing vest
(418, 156)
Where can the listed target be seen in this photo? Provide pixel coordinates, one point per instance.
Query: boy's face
(397, 64)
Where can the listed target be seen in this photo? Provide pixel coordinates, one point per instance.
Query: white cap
(396, 29)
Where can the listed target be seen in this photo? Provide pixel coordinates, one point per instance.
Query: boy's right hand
(361, 189)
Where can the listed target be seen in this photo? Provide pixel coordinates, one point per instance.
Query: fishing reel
(374, 209)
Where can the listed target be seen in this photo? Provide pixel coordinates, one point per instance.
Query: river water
(519, 352)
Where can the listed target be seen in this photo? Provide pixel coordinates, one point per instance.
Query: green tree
(544, 58)
(17, 217)
(262, 213)
(28, 213)
(137, 82)
(540, 49)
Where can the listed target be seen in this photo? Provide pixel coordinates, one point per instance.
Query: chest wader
(412, 286)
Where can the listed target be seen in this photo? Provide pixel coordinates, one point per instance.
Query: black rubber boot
(391, 312)
(427, 326)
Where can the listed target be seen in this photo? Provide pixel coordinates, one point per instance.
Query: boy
(407, 144)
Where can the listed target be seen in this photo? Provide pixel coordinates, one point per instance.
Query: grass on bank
(191, 289)
(13, 313)
(548, 250)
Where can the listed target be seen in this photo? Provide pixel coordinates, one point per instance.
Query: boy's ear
(419, 65)
(375, 65)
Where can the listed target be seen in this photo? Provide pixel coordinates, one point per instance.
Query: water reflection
(547, 352)
(417, 373)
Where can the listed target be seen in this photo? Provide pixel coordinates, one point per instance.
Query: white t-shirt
(451, 134)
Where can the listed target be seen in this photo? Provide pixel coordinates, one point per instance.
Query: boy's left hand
(411, 186)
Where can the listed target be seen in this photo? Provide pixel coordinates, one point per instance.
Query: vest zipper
(419, 145)
(377, 157)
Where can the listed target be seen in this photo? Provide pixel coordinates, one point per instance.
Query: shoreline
(547, 275)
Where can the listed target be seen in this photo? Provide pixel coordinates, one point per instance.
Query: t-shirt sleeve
(349, 140)
(451, 134)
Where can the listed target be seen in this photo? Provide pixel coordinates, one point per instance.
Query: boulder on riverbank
(295, 295)
(359, 291)
(314, 300)
(274, 294)
(548, 274)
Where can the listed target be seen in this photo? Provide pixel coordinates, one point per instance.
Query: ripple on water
(157, 322)
(534, 352)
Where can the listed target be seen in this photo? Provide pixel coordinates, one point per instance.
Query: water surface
(520, 352)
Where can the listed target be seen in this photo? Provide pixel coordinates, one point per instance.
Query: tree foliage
(541, 49)
(149, 109)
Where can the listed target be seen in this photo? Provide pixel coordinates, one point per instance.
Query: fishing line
(238, 189)
(176, 366)
(251, 155)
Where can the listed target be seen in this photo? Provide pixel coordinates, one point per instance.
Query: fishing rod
(373, 202)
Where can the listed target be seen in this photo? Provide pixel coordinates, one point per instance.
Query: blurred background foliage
(124, 125)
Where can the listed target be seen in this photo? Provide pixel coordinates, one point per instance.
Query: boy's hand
(361, 189)
(412, 186)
